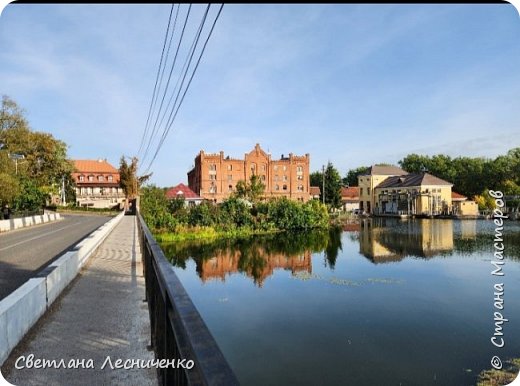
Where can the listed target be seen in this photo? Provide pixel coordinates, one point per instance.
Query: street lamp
(16, 157)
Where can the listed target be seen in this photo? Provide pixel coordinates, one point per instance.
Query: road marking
(37, 237)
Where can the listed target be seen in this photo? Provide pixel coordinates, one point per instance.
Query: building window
(300, 188)
(213, 188)
(360, 191)
(91, 178)
(263, 177)
(110, 178)
(230, 177)
(368, 191)
(101, 178)
(300, 178)
(277, 187)
(263, 167)
(285, 177)
(253, 168)
(284, 168)
(81, 178)
(276, 177)
(230, 167)
(299, 170)
(230, 188)
(284, 187)
(212, 167)
(212, 176)
(275, 167)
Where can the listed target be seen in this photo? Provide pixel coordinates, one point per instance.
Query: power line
(155, 128)
(156, 79)
(170, 122)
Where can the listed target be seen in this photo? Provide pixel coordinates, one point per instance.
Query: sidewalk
(101, 315)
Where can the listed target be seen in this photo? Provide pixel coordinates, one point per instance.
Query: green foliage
(351, 179)
(128, 179)
(252, 190)
(31, 196)
(44, 160)
(10, 189)
(333, 185)
(471, 176)
(233, 216)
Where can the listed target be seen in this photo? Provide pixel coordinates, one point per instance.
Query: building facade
(413, 194)
(214, 176)
(97, 184)
(350, 198)
(368, 181)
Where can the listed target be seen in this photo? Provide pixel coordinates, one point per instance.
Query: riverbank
(209, 233)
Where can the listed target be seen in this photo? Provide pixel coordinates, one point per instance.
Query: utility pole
(63, 203)
(323, 183)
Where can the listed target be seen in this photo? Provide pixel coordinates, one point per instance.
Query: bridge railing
(177, 329)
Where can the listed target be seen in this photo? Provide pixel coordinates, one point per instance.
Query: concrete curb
(16, 223)
(21, 309)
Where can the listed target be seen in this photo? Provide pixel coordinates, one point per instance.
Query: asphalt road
(25, 252)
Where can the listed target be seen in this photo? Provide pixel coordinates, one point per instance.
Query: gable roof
(408, 180)
(457, 196)
(314, 191)
(389, 170)
(350, 193)
(182, 190)
(94, 166)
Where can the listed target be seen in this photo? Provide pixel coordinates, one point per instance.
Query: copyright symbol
(496, 362)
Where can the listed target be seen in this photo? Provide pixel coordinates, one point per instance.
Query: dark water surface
(382, 302)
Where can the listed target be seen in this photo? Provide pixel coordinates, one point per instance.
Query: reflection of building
(97, 184)
(181, 191)
(214, 177)
(367, 183)
(468, 229)
(413, 194)
(260, 267)
(350, 198)
(394, 240)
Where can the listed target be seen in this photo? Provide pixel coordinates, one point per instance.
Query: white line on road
(37, 237)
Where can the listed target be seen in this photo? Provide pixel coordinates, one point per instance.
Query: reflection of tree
(257, 256)
(333, 246)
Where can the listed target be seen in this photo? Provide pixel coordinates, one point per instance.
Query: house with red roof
(350, 198)
(462, 207)
(181, 191)
(97, 184)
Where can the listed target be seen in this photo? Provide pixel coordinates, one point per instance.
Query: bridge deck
(102, 314)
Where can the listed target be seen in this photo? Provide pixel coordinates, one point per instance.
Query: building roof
(350, 193)
(457, 196)
(94, 166)
(407, 180)
(314, 191)
(389, 170)
(182, 190)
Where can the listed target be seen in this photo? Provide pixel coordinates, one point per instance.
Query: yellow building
(367, 183)
(413, 194)
(462, 207)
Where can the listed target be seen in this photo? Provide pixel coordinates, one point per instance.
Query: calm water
(383, 302)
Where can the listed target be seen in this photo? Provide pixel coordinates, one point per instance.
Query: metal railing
(177, 329)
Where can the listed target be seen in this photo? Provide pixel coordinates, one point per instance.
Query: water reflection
(386, 240)
(257, 257)
(381, 240)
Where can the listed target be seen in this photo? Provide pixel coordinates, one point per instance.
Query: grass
(500, 377)
(207, 233)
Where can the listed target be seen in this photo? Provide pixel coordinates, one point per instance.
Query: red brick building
(214, 176)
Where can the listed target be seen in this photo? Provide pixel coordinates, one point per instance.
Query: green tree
(44, 160)
(10, 189)
(128, 179)
(351, 179)
(332, 186)
(252, 190)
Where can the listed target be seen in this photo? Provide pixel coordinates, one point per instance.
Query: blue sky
(353, 84)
